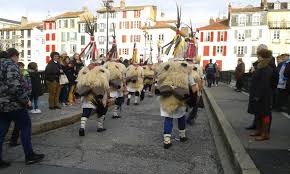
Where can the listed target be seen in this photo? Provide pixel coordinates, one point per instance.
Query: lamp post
(108, 9)
(145, 37)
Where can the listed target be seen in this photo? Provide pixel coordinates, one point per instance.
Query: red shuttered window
(206, 51)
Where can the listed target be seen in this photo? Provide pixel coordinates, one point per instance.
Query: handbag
(63, 79)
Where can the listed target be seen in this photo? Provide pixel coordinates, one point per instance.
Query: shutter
(44, 26)
(214, 50)
(96, 27)
(225, 51)
(127, 51)
(260, 33)
(236, 34)
(131, 24)
(139, 25)
(235, 50)
(225, 36)
(79, 28)
(253, 50)
(245, 49)
(131, 38)
(219, 36)
(127, 25)
(120, 25)
(250, 33)
(247, 34)
(201, 36)
(139, 38)
(211, 36)
(120, 51)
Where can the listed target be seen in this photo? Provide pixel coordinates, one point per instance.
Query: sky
(198, 11)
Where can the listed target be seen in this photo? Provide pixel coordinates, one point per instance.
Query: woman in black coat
(260, 100)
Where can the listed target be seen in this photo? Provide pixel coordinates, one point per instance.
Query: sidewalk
(271, 157)
(53, 119)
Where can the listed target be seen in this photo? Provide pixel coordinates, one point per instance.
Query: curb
(45, 126)
(241, 159)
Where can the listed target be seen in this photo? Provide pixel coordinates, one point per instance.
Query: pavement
(132, 144)
(272, 156)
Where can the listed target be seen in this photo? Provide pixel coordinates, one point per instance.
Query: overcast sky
(199, 11)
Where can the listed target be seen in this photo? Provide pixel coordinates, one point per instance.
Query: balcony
(279, 24)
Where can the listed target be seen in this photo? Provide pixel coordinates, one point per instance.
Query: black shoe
(51, 108)
(14, 144)
(128, 102)
(116, 117)
(167, 146)
(252, 127)
(34, 158)
(183, 139)
(101, 129)
(81, 132)
(4, 164)
(57, 107)
(136, 104)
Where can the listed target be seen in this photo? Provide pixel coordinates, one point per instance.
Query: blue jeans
(34, 101)
(168, 124)
(63, 98)
(23, 122)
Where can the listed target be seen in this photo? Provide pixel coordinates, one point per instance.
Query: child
(35, 86)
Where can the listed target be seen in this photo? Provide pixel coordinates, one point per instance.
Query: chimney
(211, 21)
(122, 4)
(24, 20)
(85, 9)
(264, 4)
(229, 10)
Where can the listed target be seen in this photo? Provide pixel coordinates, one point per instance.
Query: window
(207, 36)
(149, 37)
(113, 15)
(22, 43)
(63, 39)
(220, 49)
(83, 40)
(102, 27)
(2, 33)
(53, 36)
(68, 36)
(73, 36)
(241, 36)
(241, 50)
(137, 13)
(28, 33)
(124, 38)
(73, 48)
(125, 51)
(124, 14)
(101, 40)
(161, 37)
(135, 24)
(112, 25)
(276, 34)
(47, 25)
(256, 20)
(65, 23)
(136, 38)
(47, 48)
(29, 52)
(59, 24)
(63, 47)
(72, 23)
(7, 35)
(13, 33)
(277, 5)
(124, 25)
(222, 36)
(47, 37)
(22, 33)
(101, 51)
(22, 54)
(242, 20)
(28, 43)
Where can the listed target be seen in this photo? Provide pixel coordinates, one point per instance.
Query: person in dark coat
(36, 90)
(239, 73)
(68, 71)
(52, 74)
(260, 100)
(287, 91)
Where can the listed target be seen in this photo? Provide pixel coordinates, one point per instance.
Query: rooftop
(28, 26)
(127, 8)
(221, 25)
(9, 21)
(66, 15)
(246, 9)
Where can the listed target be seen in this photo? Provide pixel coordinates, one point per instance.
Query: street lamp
(107, 4)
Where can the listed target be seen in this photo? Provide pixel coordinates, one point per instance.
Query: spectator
(239, 73)
(217, 74)
(287, 76)
(36, 87)
(210, 73)
(78, 63)
(13, 107)
(3, 54)
(72, 76)
(63, 97)
(260, 99)
(52, 73)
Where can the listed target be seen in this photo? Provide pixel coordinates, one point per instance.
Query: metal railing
(279, 24)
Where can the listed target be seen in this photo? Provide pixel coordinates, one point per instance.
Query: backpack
(210, 68)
